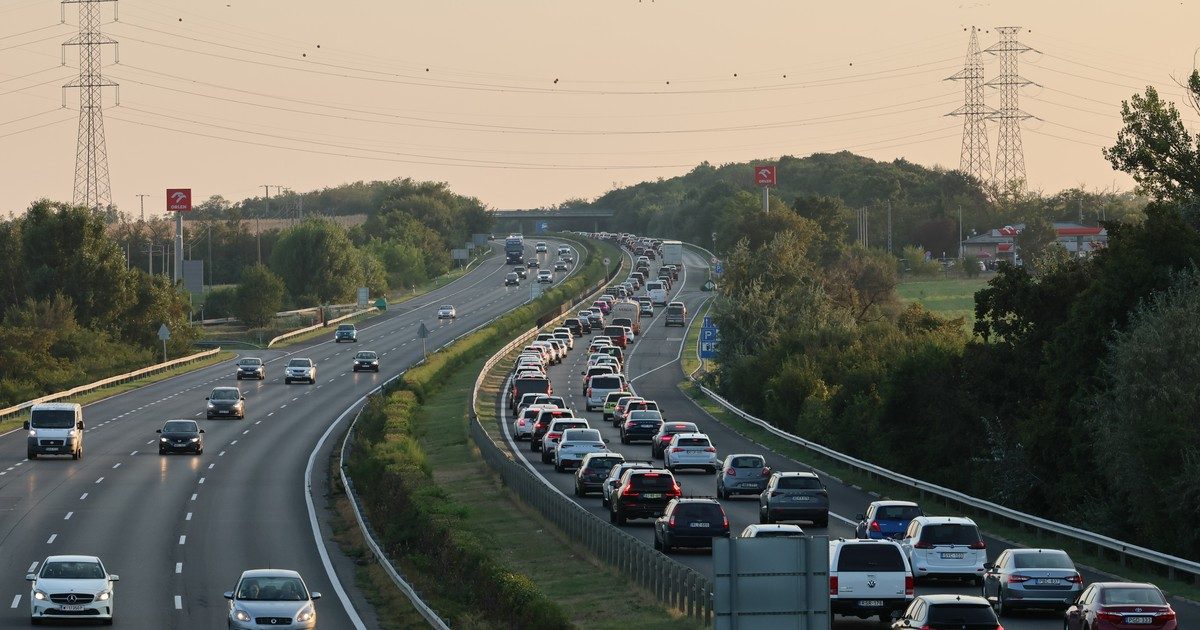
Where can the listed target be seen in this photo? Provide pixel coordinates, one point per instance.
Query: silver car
(690, 450)
(1031, 578)
(274, 598)
(300, 370)
(744, 473)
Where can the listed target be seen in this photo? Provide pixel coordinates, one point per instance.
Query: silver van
(55, 429)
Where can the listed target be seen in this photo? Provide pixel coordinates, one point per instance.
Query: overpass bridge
(534, 221)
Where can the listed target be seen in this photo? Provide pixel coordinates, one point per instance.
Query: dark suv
(345, 332)
(794, 496)
(668, 430)
(576, 328)
(690, 523)
(593, 470)
(642, 494)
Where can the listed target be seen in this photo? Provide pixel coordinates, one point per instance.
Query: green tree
(317, 259)
(1037, 236)
(1155, 147)
(259, 296)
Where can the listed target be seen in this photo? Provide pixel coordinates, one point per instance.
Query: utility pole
(210, 258)
(91, 158)
(257, 225)
(142, 203)
(960, 233)
(974, 160)
(1009, 173)
(889, 222)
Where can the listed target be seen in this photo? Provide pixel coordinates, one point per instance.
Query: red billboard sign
(764, 175)
(179, 199)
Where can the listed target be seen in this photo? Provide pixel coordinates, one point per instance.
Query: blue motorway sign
(708, 340)
(708, 349)
(543, 226)
(719, 269)
(708, 334)
(708, 322)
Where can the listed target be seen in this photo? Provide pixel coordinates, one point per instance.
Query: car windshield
(365, 355)
(606, 382)
(1042, 560)
(964, 615)
(898, 512)
(648, 481)
(224, 394)
(298, 363)
(777, 533)
(272, 589)
(950, 534)
(691, 442)
(674, 310)
(179, 426)
(870, 557)
(446, 307)
(250, 362)
(52, 418)
(700, 510)
(748, 462)
(602, 463)
(1124, 595)
(82, 570)
(345, 327)
(799, 483)
(581, 435)
(648, 416)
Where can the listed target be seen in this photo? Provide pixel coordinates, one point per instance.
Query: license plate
(802, 498)
(655, 495)
(1046, 581)
(870, 603)
(953, 556)
(700, 525)
(1139, 620)
(51, 448)
(747, 484)
(70, 607)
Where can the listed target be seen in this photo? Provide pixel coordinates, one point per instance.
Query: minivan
(55, 429)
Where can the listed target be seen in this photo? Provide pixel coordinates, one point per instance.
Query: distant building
(997, 244)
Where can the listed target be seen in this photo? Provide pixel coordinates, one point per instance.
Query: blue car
(886, 519)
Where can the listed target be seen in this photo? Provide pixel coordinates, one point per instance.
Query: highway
(652, 364)
(180, 529)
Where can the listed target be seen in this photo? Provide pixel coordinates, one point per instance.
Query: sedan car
(180, 436)
(446, 311)
(1031, 578)
(367, 360)
(300, 370)
(251, 367)
(227, 402)
(72, 588)
(345, 332)
(794, 496)
(1121, 605)
(274, 598)
(744, 473)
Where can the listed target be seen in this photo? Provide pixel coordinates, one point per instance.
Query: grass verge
(996, 526)
(121, 388)
(948, 298)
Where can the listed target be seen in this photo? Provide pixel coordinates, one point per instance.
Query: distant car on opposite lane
(345, 332)
(446, 311)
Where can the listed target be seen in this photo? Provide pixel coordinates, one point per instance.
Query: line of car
(566, 258)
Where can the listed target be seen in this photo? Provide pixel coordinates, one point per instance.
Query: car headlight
(33, 433)
(307, 614)
(40, 595)
(241, 615)
(195, 439)
(103, 596)
(210, 406)
(163, 439)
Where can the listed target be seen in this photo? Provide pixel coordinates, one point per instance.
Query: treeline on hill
(70, 311)
(1074, 397)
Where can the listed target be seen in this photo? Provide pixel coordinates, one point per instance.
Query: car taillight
(923, 545)
(833, 585)
(725, 521)
(732, 472)
(1017, 578)
(1109, 616)
(711, 450)
(766, 472)
(589, 392)
(628, 491)
(676, 449)
(672, 521)
(1075, 579)
(875, 526)
(909, 585)
(978, 544)
(1168, 615)
(675, 491)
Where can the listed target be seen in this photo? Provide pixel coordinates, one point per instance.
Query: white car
(545, 276)
(565, 335)
(272, 598)
(945, 546)
(526, 419)
(71, 587)
(576, 443)
(869, 578)
(300, 370)
(446, 311)
(540, 247)
(690, 450)
(775, 530)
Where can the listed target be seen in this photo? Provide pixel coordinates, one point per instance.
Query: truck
(672, 253)
(514, 249)
(630, 310)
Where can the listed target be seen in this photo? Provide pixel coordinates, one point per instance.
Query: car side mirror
(202, 430)
(314, 595)
(26, 425)
(206, 398)
(158, 430)
(242, 398)
(30, 577)
(989, 566)
(79, 425)
(228, 594)
(114, 578)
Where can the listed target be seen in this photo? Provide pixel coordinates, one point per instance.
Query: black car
(533, 264)
(949, 611)
(572, 324)
(366, 360)
(593, 470)
(521, 272)
(251, 367)
(642, 494)
(180, 436)
(226, 401)
(690, 523)
(637, 428)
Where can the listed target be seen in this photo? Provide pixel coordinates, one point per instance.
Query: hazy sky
(225, 96)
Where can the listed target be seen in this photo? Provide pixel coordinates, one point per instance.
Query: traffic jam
(678, 484)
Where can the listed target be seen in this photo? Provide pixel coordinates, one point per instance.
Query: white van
(657, 290)
(55, 429)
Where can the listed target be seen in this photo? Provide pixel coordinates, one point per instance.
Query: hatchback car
(945, 546)
(548, 440)
(447, 311)
(521, 272)
(794, 496)
(1031, 578)
(574, 446)
(593, 470)
(251, 367)
(345, 332)
(511, 280)
(886, 519)
(300, 370)
(691, 450)
(642, 494)
(274, 598)
(693, 522)
(367, 360)
(778, 530)
(968, 612)
(560, 265)
(226, 402)
(743, 473)
(1121, 605)
(180, 436)
(72, 588)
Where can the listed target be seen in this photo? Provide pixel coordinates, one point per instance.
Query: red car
(1121, 606)
(604, 307)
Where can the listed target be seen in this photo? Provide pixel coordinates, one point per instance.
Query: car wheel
(162, 452)
(287, 381)
(77, 454)
(532, 445)
(657, 544)
(666, 544)
(1001, 609)
(578, 491)
(208, 416)
(200, 451)
(621, 520)
(106, 622)
(721, 491)
(823, 522)
(34, 621)
(558, 468)
(624, 440)
(612, 516)
(239, 377)
(762, 517)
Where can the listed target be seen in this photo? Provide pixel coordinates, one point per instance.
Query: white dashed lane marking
(188, 517)
(83, 496)
(183, 540)
(178, 602)
(51, 538)
(16, 601)
(68, 516)
(100, 479)
(179, 567)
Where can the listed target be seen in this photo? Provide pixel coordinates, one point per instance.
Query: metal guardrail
(301, 331)
(112, 380)
(672, 583)
(1173, 564)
